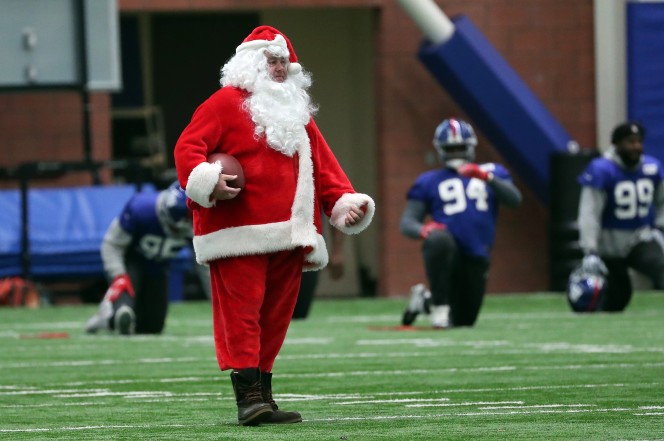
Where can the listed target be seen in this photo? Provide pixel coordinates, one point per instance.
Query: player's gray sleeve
(412, 218)
(113, 248)
(506, 192)
(659, 206)
(591, 205)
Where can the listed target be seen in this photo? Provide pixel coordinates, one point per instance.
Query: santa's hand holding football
(222, 191)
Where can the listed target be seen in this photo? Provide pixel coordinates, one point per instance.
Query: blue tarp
(66, 228)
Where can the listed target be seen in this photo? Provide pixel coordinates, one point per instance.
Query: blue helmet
(585, 290)
(172, 206)
(455, 142)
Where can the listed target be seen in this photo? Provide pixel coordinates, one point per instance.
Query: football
(229, 166)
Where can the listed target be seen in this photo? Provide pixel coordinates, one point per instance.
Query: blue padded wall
(645, 72)
(498, 102)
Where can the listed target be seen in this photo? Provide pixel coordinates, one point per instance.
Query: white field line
(341, 399)
(521, 316)
(363, 355)
(78, 325)
(334, 420)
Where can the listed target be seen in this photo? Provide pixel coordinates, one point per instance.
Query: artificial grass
(529, 370)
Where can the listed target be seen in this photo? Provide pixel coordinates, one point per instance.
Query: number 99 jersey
(467, 206)
(629, 193)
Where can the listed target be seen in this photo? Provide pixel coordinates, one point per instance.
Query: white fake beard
(280, 112)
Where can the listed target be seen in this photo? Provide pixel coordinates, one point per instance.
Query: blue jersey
(467, 206)
(629, 193)
(149, 238)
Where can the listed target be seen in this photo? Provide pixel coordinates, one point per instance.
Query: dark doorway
(189, 51)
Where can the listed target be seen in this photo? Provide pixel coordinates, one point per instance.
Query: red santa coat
(280, 206)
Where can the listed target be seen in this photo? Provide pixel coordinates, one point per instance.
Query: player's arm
(113, 248)
(506, 192)
(659, 206)
(591, 205)
(412, 218)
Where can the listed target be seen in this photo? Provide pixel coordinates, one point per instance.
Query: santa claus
(258, 240)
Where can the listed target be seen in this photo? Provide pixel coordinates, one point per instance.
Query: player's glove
(471, 170)
(120, 284)
(593, 264)
(429, 227)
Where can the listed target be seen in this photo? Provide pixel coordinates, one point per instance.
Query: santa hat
(263, 36)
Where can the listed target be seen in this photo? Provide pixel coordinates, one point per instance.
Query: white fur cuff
(343, 206)
(201, 183)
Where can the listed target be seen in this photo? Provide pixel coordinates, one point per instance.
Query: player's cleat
(440, 316)
(125, 320)
(101, 319)
(420, 299)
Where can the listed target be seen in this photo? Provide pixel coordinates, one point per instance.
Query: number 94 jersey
(629, 193)
(467, 206)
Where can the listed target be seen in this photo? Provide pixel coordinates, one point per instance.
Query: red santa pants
(253, 298)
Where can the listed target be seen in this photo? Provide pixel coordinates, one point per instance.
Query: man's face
(630, 149)
(277, 68)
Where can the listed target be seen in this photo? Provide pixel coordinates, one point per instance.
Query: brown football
(229, 166)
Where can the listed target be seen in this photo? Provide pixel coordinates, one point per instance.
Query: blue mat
(66, 228)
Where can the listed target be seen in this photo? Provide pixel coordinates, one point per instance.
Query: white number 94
(456, 198)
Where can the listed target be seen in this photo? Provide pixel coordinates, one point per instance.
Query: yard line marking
(396, 401)
(331, 419)
(79, 363)
(536, 406)
(111, 426)
(465, 403)
(21, 406)
(470, 414)
(597, 366)
(427, 342)
(43, 392)
(486, 315)
(308, 341)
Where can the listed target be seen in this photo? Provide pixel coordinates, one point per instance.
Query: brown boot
(251, 409)
(278, 416)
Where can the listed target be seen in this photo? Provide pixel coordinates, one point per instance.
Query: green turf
(529, 370)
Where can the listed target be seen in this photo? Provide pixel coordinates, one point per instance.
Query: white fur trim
(279, 40)
(302, 211)
(343, 206)
(299, 231)
(294, 68)
(318, 258)
(201, 183)
(258, 239)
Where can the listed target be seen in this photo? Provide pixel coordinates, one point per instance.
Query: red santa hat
(264, 36)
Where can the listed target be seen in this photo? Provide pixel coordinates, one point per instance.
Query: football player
(453, 211)
(136, 252)
(621, 213)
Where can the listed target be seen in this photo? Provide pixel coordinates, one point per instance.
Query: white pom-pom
(294, 68)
